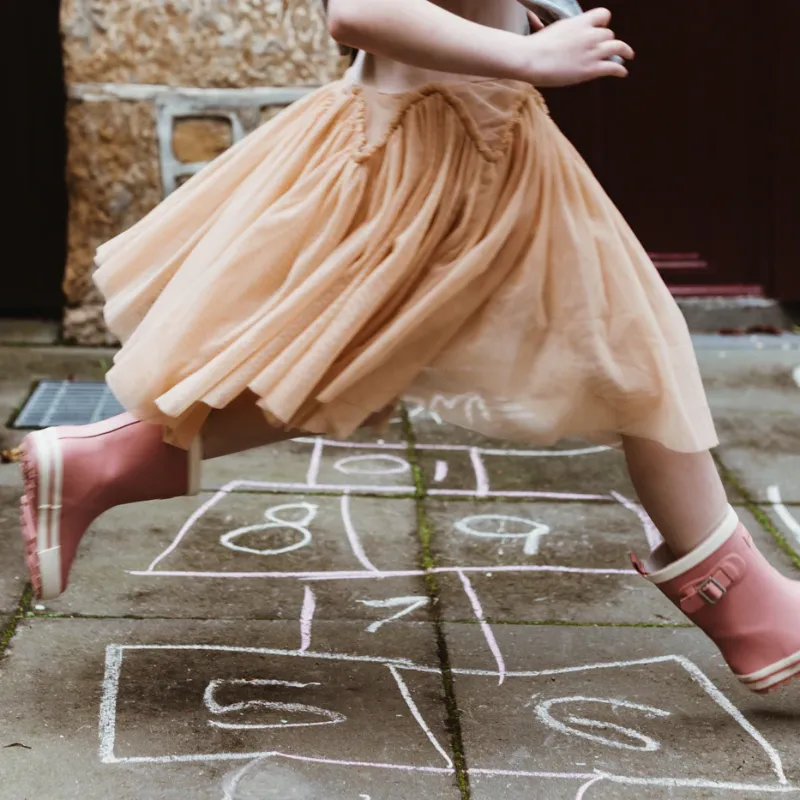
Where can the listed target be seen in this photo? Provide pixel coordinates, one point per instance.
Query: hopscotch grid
(483, 492)
(115, 655)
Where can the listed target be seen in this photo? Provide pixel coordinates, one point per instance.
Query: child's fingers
(599, 17)
(616, 48)
(536, 23)
(611, 69)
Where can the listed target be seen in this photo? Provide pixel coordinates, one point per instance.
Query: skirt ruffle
(446, 245)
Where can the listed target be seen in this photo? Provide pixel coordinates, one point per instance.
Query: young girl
(420, 228)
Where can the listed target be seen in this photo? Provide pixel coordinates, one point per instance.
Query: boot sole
(773, 677)
(40, 523)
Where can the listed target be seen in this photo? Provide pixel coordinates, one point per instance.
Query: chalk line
(702, 679)
(409, 606)
(481, 476)
(340, 575)
(193, 518)
(306, 618)
(485, 627)
(314, 463)
(692, 783)
(209, 698)
(774, 497)
(648, 744)
(230, 789)
(352, 536)
(796, 375)
(586, 786)
(650, 531)
(398, 465)
(108, 702)
(442, 469)
(484, 451)
(415, 712)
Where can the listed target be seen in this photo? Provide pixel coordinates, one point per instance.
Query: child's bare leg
(682, 492)
(240, 426)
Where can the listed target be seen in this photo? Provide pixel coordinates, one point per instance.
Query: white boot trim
(50, 472)
(721, 534)
(768, 675)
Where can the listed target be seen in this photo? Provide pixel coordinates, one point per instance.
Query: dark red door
(33, 224)
(683, 145)
(786, 284)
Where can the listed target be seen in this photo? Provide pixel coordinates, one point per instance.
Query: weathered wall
(159, 87)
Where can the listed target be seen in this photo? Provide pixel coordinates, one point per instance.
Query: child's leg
(682, 492)
(710, 568)
(74, 474)
(240, 426)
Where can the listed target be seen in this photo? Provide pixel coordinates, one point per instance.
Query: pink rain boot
(747, 608)
(73, 474)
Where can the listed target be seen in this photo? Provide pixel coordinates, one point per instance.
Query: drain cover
(67, 403)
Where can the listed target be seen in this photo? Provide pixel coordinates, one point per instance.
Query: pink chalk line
(485, 627)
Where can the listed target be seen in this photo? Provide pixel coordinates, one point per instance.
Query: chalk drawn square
(168, 703)
(240, 535)
(535, 535)
(614, 719)
(579, 472)
(362, 467)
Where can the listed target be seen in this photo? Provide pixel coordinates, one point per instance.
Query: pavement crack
(428, 563)
(20, 613)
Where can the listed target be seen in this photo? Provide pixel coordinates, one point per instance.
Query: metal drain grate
(67, 403)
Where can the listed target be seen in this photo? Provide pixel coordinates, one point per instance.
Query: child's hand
(574, 51)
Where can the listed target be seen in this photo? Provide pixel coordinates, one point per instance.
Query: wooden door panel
(680, 145)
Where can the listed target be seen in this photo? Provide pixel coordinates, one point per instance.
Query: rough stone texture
(204, 43)
(114, 176)
(113, 181)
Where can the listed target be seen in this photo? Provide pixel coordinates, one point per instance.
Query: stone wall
(157, 89)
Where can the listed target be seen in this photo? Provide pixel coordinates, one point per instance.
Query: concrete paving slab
(767, 475)
(249, 556)
(576, 569)
(755, 398)
(649, 709)
(786, 520)
(29, 332)
(188, 707)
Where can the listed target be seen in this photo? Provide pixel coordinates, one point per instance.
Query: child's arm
(419, 33)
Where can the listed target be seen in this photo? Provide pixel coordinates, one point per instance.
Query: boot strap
(709, 590)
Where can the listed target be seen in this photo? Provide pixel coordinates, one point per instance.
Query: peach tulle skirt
(446, 245)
